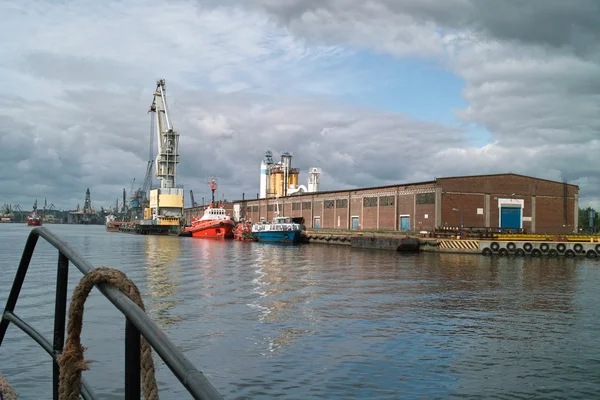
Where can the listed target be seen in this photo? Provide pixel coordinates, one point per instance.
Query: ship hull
(278, 236)
(212, 230)
(34, 222)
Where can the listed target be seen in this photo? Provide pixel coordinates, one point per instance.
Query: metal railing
(137, 322)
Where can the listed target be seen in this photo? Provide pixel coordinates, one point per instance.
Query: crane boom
(168, 139)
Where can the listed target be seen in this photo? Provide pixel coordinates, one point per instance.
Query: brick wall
(468, 204)
(424, 217)
(549, 212)
(550, 216)
(356, 210)
(505, 184)
(387, 217)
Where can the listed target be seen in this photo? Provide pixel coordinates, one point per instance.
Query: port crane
(166, 202)
(194, 204)
(140, 199)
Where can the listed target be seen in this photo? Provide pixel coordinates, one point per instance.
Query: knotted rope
(71, 361)
(6, 391)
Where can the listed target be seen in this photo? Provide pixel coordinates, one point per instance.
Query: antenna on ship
(213, 187)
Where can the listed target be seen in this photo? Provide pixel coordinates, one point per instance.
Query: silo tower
(265, 172)
(313, 179)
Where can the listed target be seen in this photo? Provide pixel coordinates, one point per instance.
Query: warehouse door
(317, 223)
(405, 223)
(510, 217)
(355, 222)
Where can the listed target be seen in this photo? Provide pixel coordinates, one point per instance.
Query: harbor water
(269, 321)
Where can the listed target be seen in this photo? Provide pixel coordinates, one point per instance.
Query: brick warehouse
(484, 201)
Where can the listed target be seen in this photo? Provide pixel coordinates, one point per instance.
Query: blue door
(317, 223)
(354, 222)
(405, 224)
(510, 217)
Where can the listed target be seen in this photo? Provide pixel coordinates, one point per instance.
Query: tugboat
(281, 230)
(243, 232)
(112, 225)
(34, 218)
(215, 223)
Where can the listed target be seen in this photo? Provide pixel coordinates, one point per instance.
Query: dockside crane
(194, 204)
(165, 202)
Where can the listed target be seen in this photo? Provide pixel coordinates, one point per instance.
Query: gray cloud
(247, 76)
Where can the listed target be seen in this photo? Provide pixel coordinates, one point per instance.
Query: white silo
(264, 180)
(313, 179)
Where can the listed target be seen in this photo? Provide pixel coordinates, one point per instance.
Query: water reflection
(282, 286)
(164, 276)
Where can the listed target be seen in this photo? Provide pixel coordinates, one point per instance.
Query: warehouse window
(270, 207)
(306, 205)
(370, 202)
(255, 208)
(296, 206)
(386, 201)
(341, 203)
(425, 198)
(328, 204)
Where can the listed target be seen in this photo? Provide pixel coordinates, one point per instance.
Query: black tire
(511, 246)
(527, 247)
(503, 252)
(486, 252)
(597, 248)
(495, 246)
(570, 253)
(520, 252)
(578, 247)
(536, 253)
(544, 247)
(552, 253)
(561, 247)
(591, 254)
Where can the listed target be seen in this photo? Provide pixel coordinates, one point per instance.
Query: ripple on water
(299, 322)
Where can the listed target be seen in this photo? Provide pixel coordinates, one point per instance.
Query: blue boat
(281, 230)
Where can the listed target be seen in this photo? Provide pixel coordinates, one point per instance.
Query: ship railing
(136, 322)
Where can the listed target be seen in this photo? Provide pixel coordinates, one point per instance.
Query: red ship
(34, 218)
(215, 223)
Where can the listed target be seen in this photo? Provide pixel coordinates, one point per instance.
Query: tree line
(584, 220)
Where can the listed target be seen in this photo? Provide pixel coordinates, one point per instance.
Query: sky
(373, 92)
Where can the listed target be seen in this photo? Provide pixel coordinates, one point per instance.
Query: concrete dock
(542, 246)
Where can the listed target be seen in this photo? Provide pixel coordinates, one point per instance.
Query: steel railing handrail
(137, 322)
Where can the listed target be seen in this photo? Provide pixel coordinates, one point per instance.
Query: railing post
(18, 282)
(132, 361)
(60, 316)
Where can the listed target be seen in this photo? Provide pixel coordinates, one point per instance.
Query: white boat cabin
(215, 214)
(279, 224)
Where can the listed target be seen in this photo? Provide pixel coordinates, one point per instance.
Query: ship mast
(213, 188)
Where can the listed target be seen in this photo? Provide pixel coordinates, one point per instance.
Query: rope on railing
(71, 361)
(6, 391)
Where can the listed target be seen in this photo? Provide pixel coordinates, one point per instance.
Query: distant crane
(140, 199)
(194, 204)
(124, 203)
(87, 204)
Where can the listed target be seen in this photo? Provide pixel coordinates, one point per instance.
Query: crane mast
(168, 139)
(166, 202)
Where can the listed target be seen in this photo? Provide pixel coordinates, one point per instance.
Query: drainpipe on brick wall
(576, 212)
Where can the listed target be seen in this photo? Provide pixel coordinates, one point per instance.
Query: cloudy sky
(372, 91)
